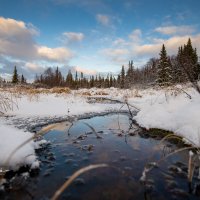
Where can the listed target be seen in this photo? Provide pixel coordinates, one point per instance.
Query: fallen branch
(93, 130)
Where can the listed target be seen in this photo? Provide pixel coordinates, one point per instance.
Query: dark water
(122, 148)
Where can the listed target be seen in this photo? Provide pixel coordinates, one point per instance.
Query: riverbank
(172, 109)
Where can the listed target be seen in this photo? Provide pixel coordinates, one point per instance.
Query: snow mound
(177, 114)
(11, 139)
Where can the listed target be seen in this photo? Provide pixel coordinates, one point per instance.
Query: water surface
(122, 148)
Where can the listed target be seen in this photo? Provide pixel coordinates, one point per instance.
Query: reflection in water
(120, 147)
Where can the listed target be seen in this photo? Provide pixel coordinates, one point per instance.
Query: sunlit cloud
(17, 42)
(59, 54)
(118, 56)
(135, 36)
(70, 37)
(175, 30)
(19, 48)
(171, 44)
(16, 39)
(33, 67)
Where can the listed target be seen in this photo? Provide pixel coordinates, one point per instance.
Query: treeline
(166, 70)
(53, 78)
(163, 71)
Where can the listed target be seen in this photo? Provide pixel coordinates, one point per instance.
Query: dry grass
(191, 160)
(21, 90)
(101, 92)
(8, 101)
(89, 92)
(33, 94)
(136, 94)
(73, 177)
(59, 90)
(86, 93)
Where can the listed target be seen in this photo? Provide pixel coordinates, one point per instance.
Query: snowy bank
(40, 106)
(48, 105)
(176, 113)
(163, 109)
(11, 139)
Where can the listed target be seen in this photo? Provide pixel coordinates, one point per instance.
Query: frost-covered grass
(168, 109)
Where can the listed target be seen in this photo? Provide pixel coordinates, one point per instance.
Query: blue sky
(92, 35)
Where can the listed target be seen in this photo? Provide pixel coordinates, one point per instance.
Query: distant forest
(163, 71)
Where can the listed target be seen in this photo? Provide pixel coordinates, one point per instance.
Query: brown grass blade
(74, 176)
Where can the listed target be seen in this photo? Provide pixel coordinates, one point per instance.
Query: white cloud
(34, 67)
(118, 56)
(103, 19)
(171, 44)
(175, 30)
(69, 37)
(140, 50)
(17, 42)
(59, 54)
(120, 42)
(136, 35)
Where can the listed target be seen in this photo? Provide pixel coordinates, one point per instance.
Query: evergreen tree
(91, 81)
(57, 78)
(23, 80)
(107, 82)
(179, 74)
(164, 72)
(130, 74)
(118, 80)
(122, 78)
(190, 61)
(15, 78)
(76, 82)
(69, 79)
(111, 81)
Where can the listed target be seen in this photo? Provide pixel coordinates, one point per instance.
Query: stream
(112, 140)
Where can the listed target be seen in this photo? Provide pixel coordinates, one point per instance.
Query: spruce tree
(179, 73)
(69, 79)
(15, 78)
(76, 80)
(130, 74)
(23, 80)
(190, 61)
(111, 81)
(164, 77)
(122, 78)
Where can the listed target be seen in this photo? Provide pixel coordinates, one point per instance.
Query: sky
(92, 35)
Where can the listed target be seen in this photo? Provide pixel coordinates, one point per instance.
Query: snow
(33, 107)
(178, 114)
(11, 138)
(57, 105)
(159, 108)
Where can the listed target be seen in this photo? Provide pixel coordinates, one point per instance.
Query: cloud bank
(18, 45)
(17, 41)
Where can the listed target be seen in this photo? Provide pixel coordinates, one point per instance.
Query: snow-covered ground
(172, 112)
(11, 139)
(165, 109)
(31, 110)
